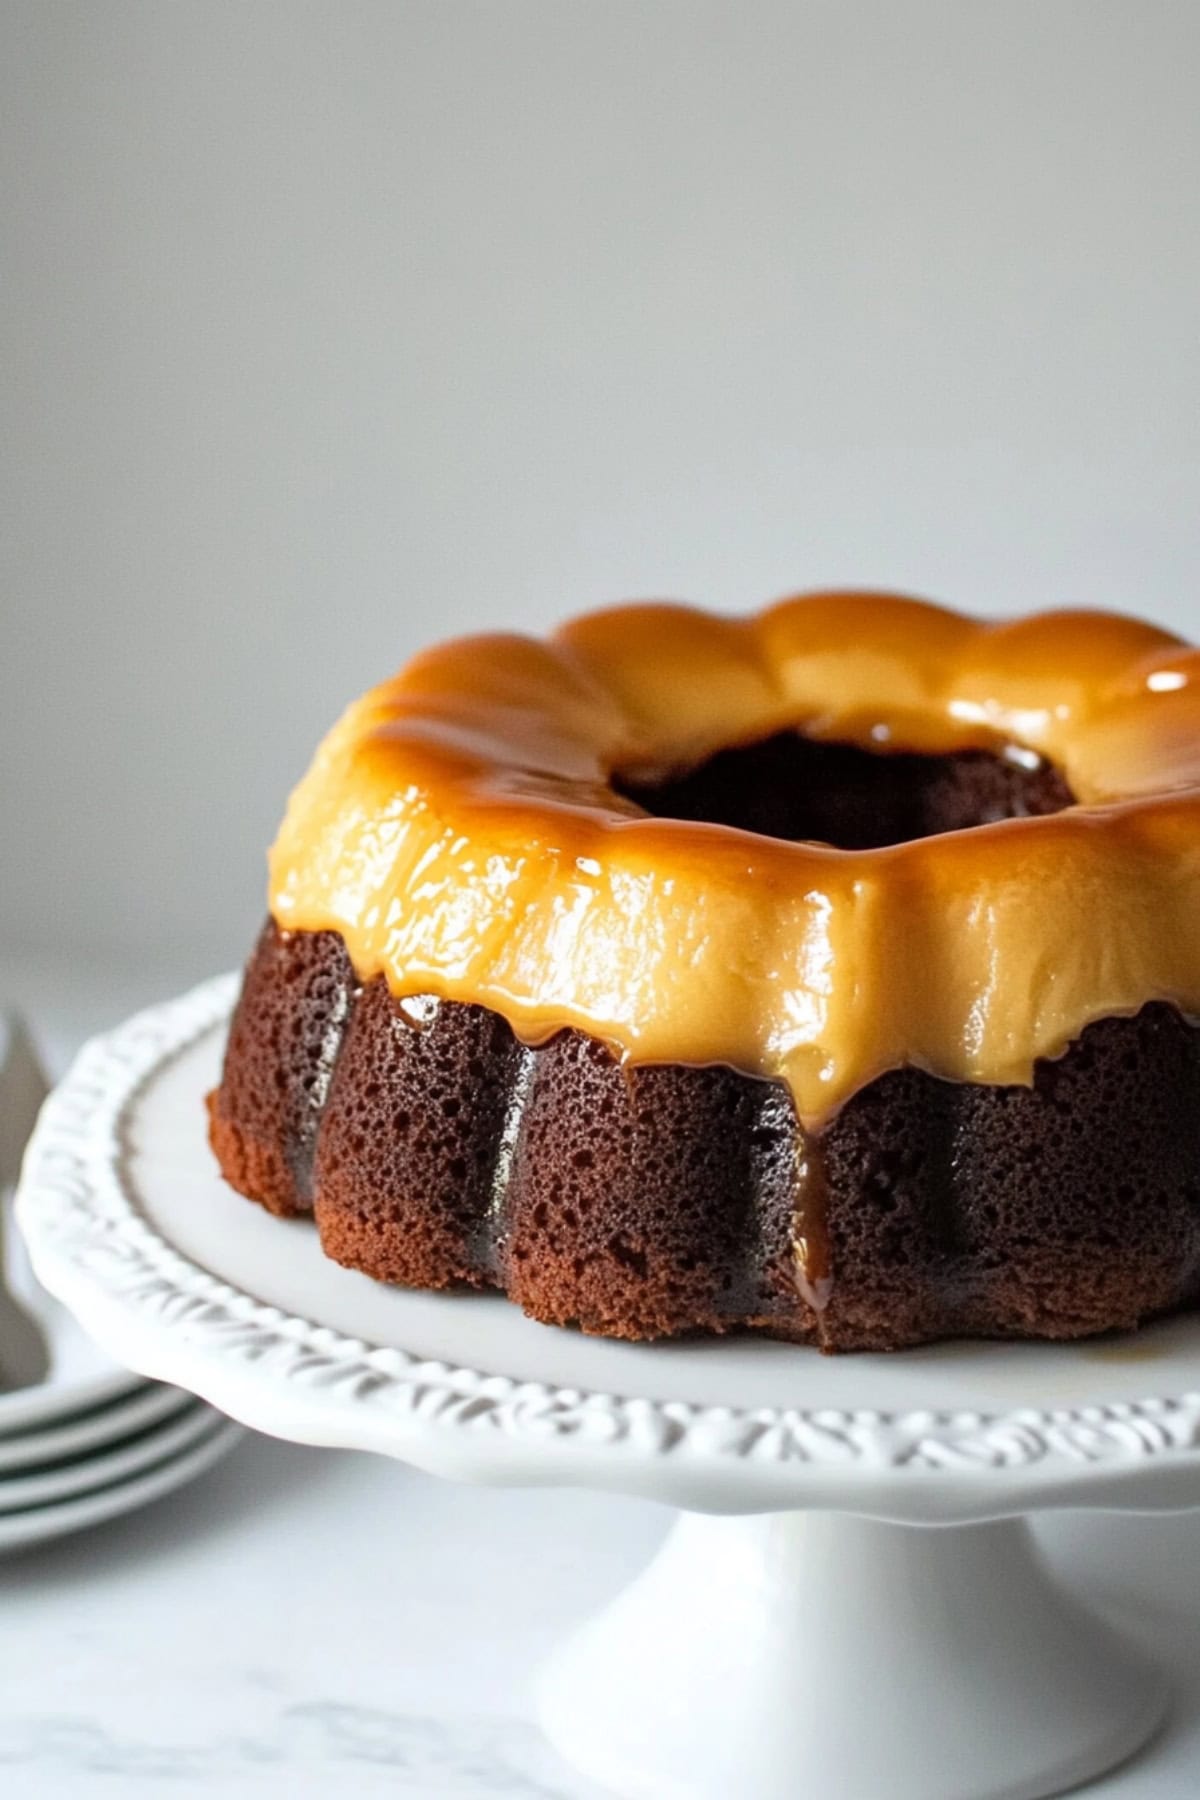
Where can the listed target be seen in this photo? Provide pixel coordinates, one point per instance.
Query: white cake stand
(796, 1634)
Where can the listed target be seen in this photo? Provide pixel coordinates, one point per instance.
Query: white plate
(112, 1424)
(17, 1530)
(80, 1376)
(46, 1487)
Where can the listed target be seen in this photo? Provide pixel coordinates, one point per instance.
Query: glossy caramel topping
(458, 829)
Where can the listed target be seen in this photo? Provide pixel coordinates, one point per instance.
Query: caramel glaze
(810, 1231)
(460, 831)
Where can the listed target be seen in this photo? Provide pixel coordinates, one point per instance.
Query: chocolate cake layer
(436, 1150)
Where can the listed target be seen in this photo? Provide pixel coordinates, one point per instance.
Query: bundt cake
(830, 973)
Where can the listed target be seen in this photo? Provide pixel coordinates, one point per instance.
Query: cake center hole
(792, 787)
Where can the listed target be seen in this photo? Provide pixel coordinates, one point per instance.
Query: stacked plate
(81, 1440)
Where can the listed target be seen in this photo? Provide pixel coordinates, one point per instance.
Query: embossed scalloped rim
(141, 1298)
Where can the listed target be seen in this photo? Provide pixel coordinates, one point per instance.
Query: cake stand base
(807, 1653)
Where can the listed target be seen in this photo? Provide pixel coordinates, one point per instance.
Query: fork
(24, 1357)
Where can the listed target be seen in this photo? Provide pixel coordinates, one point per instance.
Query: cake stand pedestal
(851, 1602)
(797, 1652)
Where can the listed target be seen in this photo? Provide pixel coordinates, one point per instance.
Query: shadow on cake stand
(851, 1601)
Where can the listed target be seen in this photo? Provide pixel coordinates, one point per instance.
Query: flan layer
(461, 834)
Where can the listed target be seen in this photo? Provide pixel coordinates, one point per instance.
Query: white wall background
(328, 328)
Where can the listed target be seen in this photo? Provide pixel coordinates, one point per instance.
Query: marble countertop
(305, 1623)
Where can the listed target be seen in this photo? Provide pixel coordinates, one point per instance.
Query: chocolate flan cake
(831, 973)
